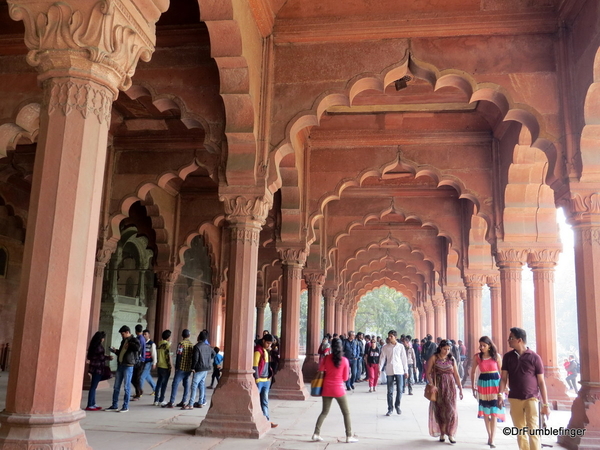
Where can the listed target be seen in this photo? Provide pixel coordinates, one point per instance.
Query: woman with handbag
(96, 368)
(442, 372)
(337, 369)
(488, 386)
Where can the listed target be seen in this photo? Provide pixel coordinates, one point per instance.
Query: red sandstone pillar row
(473, 321)
(290, 383)
(339, 327)
(417, 331)
(496, 310)
(429, 314)
(542, 264)
(214, 322)
(164, 301)
(314, 281)
(510, 262)
(439, 311)
(422, 322)
(42, 405)
(235, 407)
(329, 295)
(452, 298)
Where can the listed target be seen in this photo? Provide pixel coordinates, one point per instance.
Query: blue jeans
(199, 381)
(263, 391)
(123, 375)
(161, 384)
(96, 377)
(353, 371)
(399, 379)
(179, 376)
(147, 376)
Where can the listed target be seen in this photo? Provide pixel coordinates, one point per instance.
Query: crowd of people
(346, 359)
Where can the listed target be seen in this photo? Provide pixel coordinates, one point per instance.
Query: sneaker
(202, 404)
(316, 437)
(168, 405)
(187, 407)
(351, 439)
(399, 411)
(124, 410)
(112, 409)
(156, 403)
(389, 413)
(91, 408)
(179, 405)
(197, 405)
(274, 425)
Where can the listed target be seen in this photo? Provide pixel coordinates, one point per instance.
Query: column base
(310, 367)
(61, 431)
(289, 382)
(585, 413)
(235, 410)
(557, 391)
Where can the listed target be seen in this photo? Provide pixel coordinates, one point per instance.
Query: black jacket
(203, 356)
(130, 357)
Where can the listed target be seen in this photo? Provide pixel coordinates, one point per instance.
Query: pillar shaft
(275, 308)
(473, 321)
(452, 300)
(214, 316)
(429, 314)
(329, 295)
(314, 281)
(439, 312)
(164, 301)
(496, 310)
(422, 322)
(290, 383)
(542, 264)
(339, 327)
(235, 408)
(510, 263)
(260, 320)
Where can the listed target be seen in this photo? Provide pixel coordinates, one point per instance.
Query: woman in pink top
(337, 369)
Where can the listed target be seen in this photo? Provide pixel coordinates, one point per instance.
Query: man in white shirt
(393, 357)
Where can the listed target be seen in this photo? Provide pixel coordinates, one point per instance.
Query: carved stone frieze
(506, 257)
(493, 281)
(452, 297)
(68, 96)
(590, 235)
(583, 205)
(510, 275)
(543, 257)
(248, 235)
(239, 208)
(543, 274)
(293, 255)
(102, 40)
(475, 280)
(314, 277)
(438, 302)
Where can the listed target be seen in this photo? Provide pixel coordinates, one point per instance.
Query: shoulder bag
(316, 385)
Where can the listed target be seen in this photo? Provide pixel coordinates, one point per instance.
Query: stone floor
(147, 427)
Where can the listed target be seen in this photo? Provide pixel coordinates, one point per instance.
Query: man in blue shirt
(352, 352)
(217, 367)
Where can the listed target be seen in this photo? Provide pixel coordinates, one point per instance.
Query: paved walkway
(147, 427)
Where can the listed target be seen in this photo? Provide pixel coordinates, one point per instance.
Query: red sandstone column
(214, 324)
(314, 281)
(260, 319)
(164, 301)
(235, 407)
(542, 264)
(422, 322)
(329, 294)
(339, 327)
(452, 298)
(53, 312)
(416, 321)
(429, 315)
(493, 282)
(290, 383)
(585, 413)
(510, 262)
(101, 259)
(473, 321)
(275, 305)
(439, 307)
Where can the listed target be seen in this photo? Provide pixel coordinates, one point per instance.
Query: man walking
(352, 352)
(393, 357)
(149, 362)
(127, 357)
(201, 364)
(139, 365)
(163, 367)
(572, 371)
(262, 373)
(410, 360)
(183, 369)
(523, 372)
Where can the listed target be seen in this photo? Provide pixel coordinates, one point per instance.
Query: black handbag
(106, 373)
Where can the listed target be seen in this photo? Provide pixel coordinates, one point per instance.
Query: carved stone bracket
(543, 258)
(330, 293)
(493, 281)
(475, 280)
(168, 276)
(511, 257)
(314, 277)
(583, 206)
(241, 209)
(102, 40)
(295, 255)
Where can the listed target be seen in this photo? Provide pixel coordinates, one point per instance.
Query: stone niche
(128, 288)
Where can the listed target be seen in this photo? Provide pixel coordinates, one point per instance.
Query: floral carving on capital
(314, 278)
(168, 277)
(452, 297)
(239, 208)
(293, 255)
(583, 205)
(245, 235)
(543, 258)
(106, 37)
(509, 257)
(475, 280)
(438, 302)
(73, 95)
(493, 281)
(330, 293)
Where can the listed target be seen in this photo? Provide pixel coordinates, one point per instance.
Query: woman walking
(372, 359)
(97, 358)
(442, 371)
(336, 368)
(488, 386)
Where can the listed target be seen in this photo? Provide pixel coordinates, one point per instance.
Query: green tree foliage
(384, 309)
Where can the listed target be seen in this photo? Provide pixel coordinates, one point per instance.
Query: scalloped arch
(26, 126)
(210, 231)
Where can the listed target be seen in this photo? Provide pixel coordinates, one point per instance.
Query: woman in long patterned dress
(442, 371)
(488, 386)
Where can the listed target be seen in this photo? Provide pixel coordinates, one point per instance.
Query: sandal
(442, 439)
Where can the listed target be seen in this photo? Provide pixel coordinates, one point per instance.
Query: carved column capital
(511, 257)
(493, 281)
(99, 40)
(452, 297)
(245, 209)
(475, 280)
(168, 276)
(428, 307)
(314, 277)
(543, 258)
(583, 206)
(330, 293)
(104, 254)
(293, 254)
(438, 301)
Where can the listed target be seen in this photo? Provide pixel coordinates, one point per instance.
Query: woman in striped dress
(488, 386)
